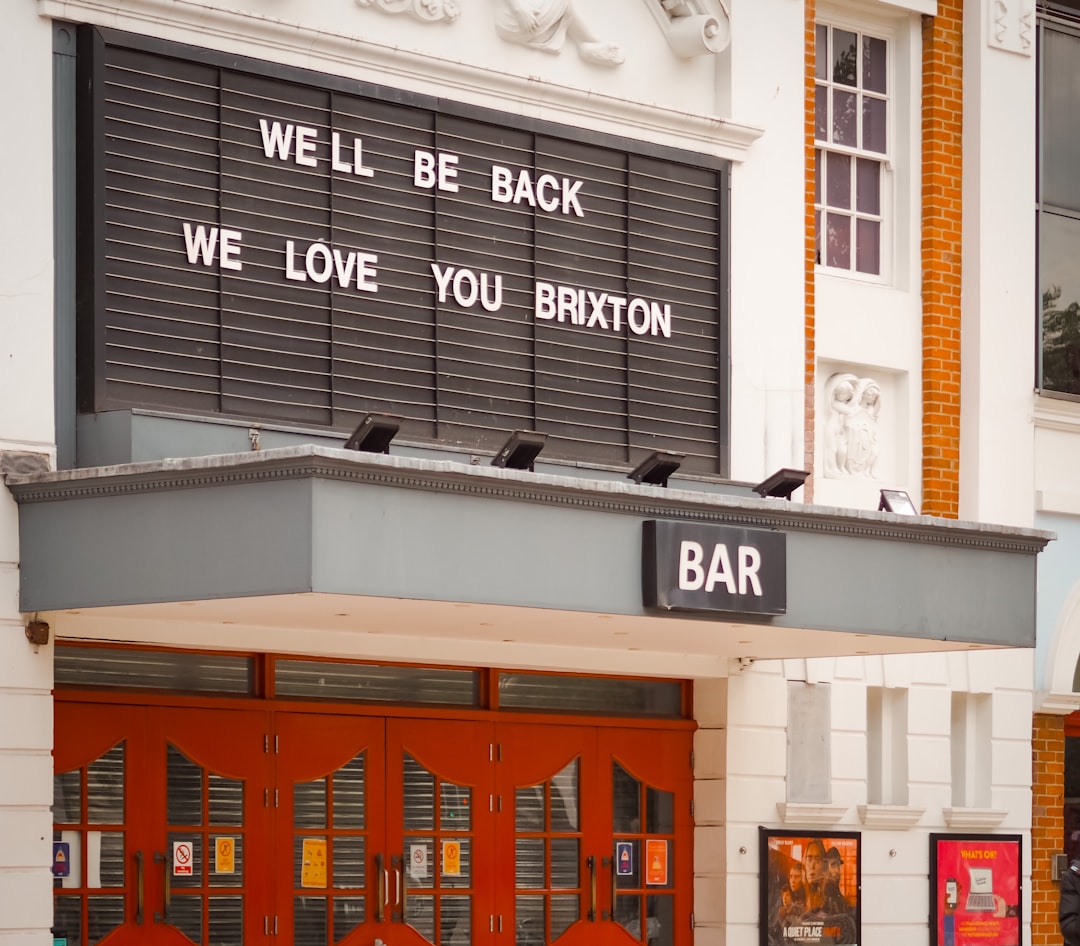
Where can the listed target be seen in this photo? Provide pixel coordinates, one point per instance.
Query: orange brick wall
(1047, 824)
(941, 233)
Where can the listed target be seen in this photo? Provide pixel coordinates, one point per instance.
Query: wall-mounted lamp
(520, 450)
(374, 433)
(896, 500)
(782, 483)
(656, 468)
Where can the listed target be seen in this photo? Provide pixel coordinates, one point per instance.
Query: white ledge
(355, 56)
(813, 814)
(890, 817)
(973, 817)
(1056, 703)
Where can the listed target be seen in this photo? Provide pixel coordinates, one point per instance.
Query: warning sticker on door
(624, 858)
(451, 858)
(313, 865)
(418, 861)
(224, 855)
(182, 859)
(656, 863)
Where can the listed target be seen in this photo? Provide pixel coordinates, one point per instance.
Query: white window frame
(899, 89)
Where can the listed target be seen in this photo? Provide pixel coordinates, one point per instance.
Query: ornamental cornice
(251, 33)
(449, 478)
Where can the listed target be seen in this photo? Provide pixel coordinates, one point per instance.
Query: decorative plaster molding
(1057, 704)
(693, 27)
(1056, 413)
(427, 11)
(852, 407)
(890, 817)
(297, 44)
(973, 817)
(1011, 26)
(547, 24)
(812, 815)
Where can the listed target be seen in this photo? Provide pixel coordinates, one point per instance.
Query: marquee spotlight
(782, 483)
(656, 468)
(374, 433)
(896, 500)
(520, 450)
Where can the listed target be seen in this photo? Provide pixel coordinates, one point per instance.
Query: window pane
(868, 247)
(867, 186)
(309, 921)
(821, 113)
(226, 921)
(611, 697)
(873, 68)
(309, 804)
(837, 180)
(103, 915)
(844, 112)
(183, 792)
(1059, 246)
(348, 795)
(873, 128)
(844, 57)
(370, 682)
(821, 53)
(1061, 128)
(66, 797)
(838, 241)
(817, 176)
(105, 788)
(142, 669)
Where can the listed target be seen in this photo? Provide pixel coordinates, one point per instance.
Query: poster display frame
(779, 852)
(950, 888)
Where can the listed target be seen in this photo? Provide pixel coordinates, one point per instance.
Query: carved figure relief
(851, 425)
(429, 11)
(546, 25)
(1012, 26)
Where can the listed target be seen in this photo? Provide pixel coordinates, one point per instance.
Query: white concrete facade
(746, 103)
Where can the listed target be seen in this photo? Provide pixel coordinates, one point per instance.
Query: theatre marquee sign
(267, 242)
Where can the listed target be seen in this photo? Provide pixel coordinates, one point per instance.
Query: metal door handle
(380, 897)
(140, 887)
(614, 888)
(591, 862)
(163, 917)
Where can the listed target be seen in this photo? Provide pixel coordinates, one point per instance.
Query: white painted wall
(26, 424)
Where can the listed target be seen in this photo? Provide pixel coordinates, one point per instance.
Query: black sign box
(694, 567)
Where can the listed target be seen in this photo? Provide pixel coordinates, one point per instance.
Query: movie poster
(809, 888)
(975, 889)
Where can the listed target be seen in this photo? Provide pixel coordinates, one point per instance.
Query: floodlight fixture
(520, 450)
(374, 433)
(782, 483)
(896, 500)
(656, 468)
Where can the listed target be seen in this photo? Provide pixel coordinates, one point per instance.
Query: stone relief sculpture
(851, 425)
(546, 24)
(429, 11)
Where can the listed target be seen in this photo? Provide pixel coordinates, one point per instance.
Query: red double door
(228, 827)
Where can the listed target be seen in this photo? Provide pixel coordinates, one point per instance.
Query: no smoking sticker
(181, 859)
(418, 861)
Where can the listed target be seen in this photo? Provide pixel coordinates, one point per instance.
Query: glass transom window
(851, 114)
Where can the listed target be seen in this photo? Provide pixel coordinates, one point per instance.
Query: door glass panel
(545, 858)
(309, 804)
(105, 787)
(67, 920)
(94, 860)
(103, 915)
(198, 860)
(226, 920)
(185, 913)
(184, 793)
(644, 829)
(439, 859)
(226, 800)
(454, 914)
(332, 858)
(310, 921)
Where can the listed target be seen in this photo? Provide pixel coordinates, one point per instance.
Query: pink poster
(975, 889)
